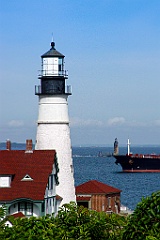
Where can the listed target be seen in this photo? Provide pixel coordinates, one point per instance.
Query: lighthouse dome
(52, 52)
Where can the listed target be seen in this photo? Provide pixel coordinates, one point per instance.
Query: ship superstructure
(138, 162)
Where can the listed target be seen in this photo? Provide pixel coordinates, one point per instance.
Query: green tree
(144, 223)
(31, 228)
(71, 223)
(2, 216)
(80, 223)
(72, 220)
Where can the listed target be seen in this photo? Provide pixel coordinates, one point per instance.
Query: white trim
(27, 178)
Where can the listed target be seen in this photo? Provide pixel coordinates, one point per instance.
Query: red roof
(37, 164)
(58, 197)
(95, 187)
(18, 215)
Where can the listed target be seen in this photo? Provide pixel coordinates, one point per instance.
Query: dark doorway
(84, 204)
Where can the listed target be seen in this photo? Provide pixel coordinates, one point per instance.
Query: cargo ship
(136, 162)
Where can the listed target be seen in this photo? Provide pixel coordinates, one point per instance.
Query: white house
(28, 180)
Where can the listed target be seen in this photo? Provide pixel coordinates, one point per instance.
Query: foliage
(72, 222)
(31, 228)
(2, 216)
(79, 223)
(115, 224)
(144, 223)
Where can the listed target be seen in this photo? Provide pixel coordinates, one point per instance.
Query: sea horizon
(91, 145)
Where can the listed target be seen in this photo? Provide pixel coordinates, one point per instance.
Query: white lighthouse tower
(53, 130)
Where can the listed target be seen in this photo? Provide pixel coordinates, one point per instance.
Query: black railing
(38, 91)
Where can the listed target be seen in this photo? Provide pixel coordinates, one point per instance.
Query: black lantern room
(52, 74)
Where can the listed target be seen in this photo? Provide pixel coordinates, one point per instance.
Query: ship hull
(138, 163)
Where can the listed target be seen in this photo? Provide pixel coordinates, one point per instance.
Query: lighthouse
(53, 131)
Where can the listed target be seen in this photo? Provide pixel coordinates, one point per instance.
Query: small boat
(101, 154)
(136, 162)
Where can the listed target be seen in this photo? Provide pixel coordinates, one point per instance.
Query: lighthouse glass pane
(60, 66)
(44, 67)
(55, 66)
(60, 61)
(50, 67)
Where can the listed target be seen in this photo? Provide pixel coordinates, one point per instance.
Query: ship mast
(128, 147)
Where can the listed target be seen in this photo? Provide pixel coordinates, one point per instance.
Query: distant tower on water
(116, 150)
(53, 130)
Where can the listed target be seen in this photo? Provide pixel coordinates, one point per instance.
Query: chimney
(8, 145)
(29, 145)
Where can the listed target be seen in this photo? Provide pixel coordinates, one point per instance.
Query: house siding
(102, 196)
(13, 208)
(105, 203)
(33, 188)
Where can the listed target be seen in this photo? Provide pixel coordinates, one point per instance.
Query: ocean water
(88, 166)
(134, 186)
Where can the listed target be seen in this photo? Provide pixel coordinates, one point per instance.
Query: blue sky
(112, 50)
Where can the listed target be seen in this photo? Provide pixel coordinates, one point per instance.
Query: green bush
(144, 223)
(78, 223)
(71, 223)
(2, 217)
(30, 228)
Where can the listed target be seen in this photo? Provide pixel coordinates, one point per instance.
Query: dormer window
(27, 178)
(5, 181)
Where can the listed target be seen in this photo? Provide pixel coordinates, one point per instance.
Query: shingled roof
(52, 52)
(30, 172)
(95, 187)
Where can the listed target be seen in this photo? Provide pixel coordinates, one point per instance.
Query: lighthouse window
(60, 64)
(59, 67)
(60, 61)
